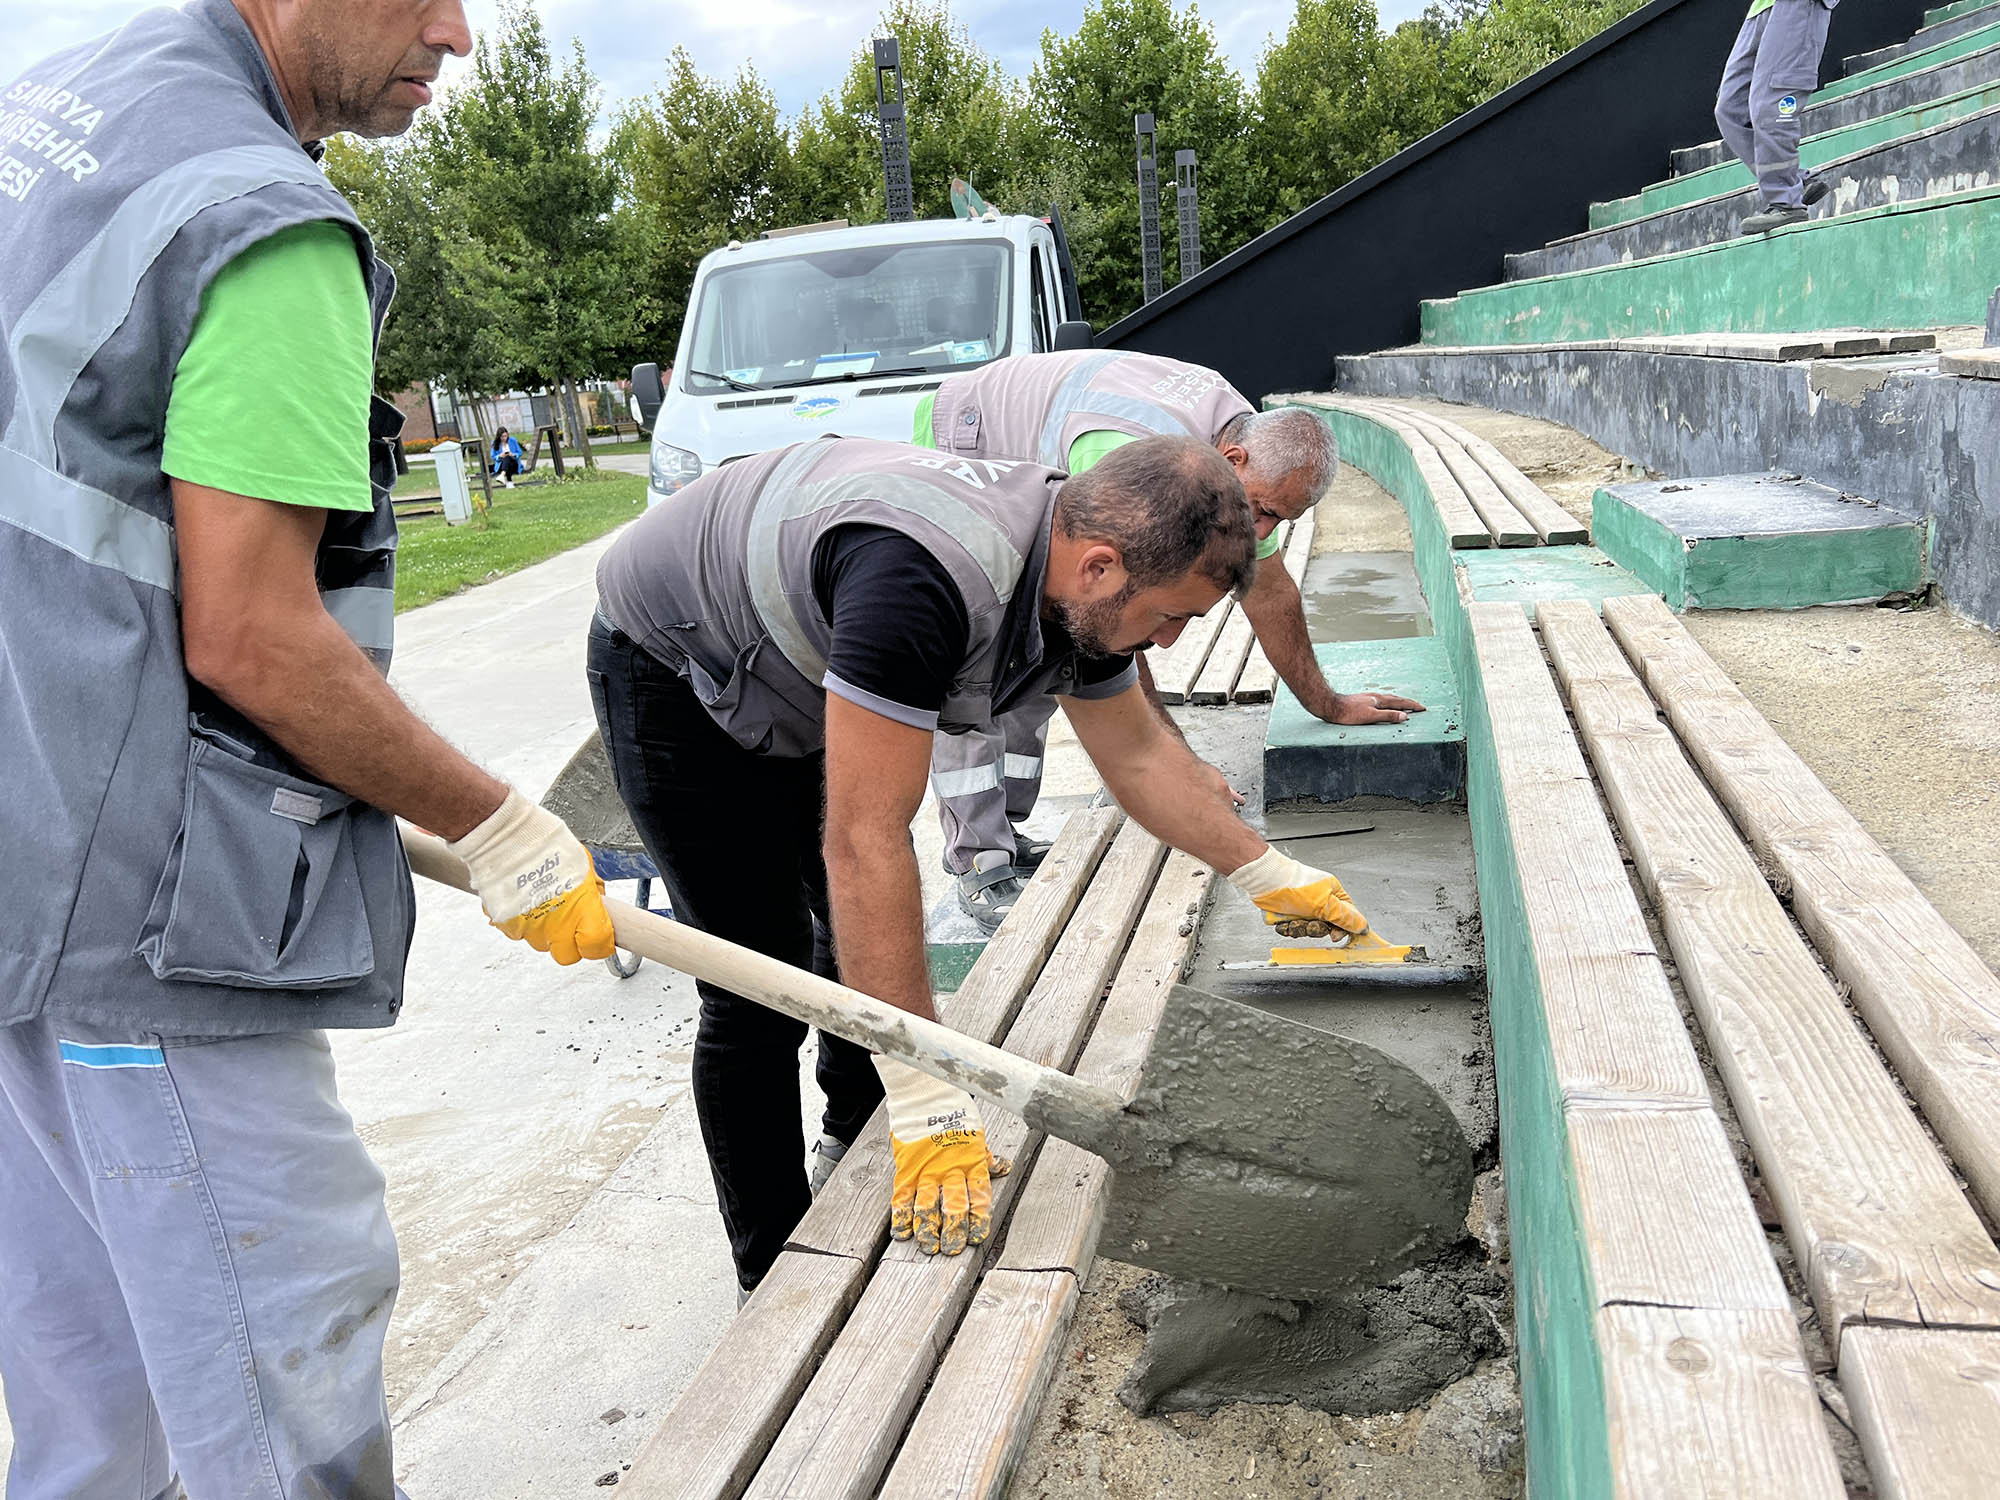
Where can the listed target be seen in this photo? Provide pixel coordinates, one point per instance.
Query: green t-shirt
(1088, 449)
(270, 398)
(1758, 7)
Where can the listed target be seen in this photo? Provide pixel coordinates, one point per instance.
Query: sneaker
(1029, 853)
(1816, 189)
(1774, 218)
(826, 1154)
(988, 891)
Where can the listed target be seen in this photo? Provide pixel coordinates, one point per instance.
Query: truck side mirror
(648, 391)
(1075, 334)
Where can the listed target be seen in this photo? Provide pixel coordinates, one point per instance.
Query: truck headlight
(672, 468)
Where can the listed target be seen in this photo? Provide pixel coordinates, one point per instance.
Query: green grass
(524, 527)
(422, 478)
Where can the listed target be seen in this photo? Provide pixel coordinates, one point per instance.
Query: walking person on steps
(1766, 85)
(203, 758)
(772, 655)
(1069, 410)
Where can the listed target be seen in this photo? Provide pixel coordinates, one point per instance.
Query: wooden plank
(1259, 679)
(1712, 1402)
(1614, 1028)
(1926, 1406)
(1176, 669)
(1666, 1218)
(848, 1217)
(1872, 1212)
(711, 1439)
(1931, 1005)
(1976, 364)
(1461, 522)
(1225, 660)
(1554, 525)
(977, 1420)
(845, 1428)
(1505, 524)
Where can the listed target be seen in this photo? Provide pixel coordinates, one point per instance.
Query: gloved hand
(1282, 887)
(943, 1190)
(536, 882)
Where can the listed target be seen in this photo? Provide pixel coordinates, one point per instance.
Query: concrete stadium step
(1757, 541)
(1951, 22)
(1421, 759)
(1926, 264)
(1964, 63)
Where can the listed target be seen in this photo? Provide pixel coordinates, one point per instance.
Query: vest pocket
(262, 888)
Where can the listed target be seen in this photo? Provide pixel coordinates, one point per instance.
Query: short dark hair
(1171, 506)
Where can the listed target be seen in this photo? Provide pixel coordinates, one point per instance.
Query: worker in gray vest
(1760, 107)
(202, 756)
(1069, 410)
(772, 655)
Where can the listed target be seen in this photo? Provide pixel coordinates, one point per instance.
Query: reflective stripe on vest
(368, 615)
(1075, 386)
(782, 500)
(85, 522)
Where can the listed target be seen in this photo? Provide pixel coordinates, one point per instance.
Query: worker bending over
(1068, 411)
(772, 655)
(1760, 107)
(202, 759)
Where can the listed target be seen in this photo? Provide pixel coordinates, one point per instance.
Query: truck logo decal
(813, 408)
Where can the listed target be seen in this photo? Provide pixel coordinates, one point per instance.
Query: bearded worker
(773, 653)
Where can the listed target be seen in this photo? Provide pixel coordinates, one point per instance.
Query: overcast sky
(801, 47)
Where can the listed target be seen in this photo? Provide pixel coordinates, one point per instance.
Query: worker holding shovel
(771, 657)
(202, 871)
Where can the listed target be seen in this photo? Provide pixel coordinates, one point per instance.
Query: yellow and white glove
(536, 882)
(943, 1191)
(1282, 887)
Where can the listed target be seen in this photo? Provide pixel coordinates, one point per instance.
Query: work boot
(1029, 853)
(1774, 218)
(826, 1154)
(987, 892)
(1816, 189)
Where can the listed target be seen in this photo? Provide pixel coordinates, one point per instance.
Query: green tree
(1313, 132)
(512, 161)
(1130, 57)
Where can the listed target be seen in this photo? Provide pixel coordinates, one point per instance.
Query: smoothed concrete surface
(1364, 596)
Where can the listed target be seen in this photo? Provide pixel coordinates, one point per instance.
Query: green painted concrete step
(1927, 264)
(1915, 62)
(1420, 760)
(1527, 577)
(1954, 11)
(1815, 151)
(1757, 541)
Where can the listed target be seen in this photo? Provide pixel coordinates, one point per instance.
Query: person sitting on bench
(506, 457)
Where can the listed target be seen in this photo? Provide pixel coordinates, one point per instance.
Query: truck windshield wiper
(779, 385)
(728, 380)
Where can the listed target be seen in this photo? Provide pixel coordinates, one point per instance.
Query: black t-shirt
(899, 626)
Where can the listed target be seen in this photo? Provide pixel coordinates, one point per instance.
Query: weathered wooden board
(1504, 523)
(1926, 1405)
(1178, 667)
(1707, 1402)
(1878, 1224)
(979, 1415)
(1461, 522)
(1225, 660)
(846, 1427)
(1554, 525)
(713, 1437)
(1931, 1005)
(1977, 364)
(1259, 679)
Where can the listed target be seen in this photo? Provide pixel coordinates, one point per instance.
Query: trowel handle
(1046, 1099)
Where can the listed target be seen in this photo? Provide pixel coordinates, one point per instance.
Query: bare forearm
(314, 693)
(1151, 690)
(878, 919)
(1170, 792)
(1277, 614)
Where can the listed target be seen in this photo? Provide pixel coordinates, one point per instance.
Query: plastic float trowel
(1364, 947)
(1255, 1153)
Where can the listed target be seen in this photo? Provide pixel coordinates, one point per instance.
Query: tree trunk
(577, 415)
(471, 403)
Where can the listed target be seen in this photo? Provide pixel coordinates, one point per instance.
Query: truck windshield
(838, 314)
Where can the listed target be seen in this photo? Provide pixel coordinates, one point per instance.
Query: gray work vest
(1036, 405)
(166, 866)
(718, 581)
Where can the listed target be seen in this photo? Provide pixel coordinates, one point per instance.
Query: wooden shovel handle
(1045, 1098)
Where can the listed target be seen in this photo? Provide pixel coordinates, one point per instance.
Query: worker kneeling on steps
(772, 654)
(199, 867)
(1069, 410)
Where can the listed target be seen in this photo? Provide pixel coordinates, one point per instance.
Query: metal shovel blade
(1279, 1158)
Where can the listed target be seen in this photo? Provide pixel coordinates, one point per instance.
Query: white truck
(836, 329)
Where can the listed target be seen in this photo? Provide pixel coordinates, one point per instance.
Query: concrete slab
(1419, 760)
(1757, 541)
(1530, 576)
(1364, 596)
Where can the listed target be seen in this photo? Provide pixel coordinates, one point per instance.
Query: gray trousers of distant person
(196, 1269)
(987, 780)
(1766, 84)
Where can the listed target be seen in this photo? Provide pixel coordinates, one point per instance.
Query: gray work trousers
(1771, 74)
(987, 780)
(196, 1269)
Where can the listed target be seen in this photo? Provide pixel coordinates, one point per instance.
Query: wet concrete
(1364, 596)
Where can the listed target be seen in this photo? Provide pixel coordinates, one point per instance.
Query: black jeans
(506, 464)
(736, 837)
